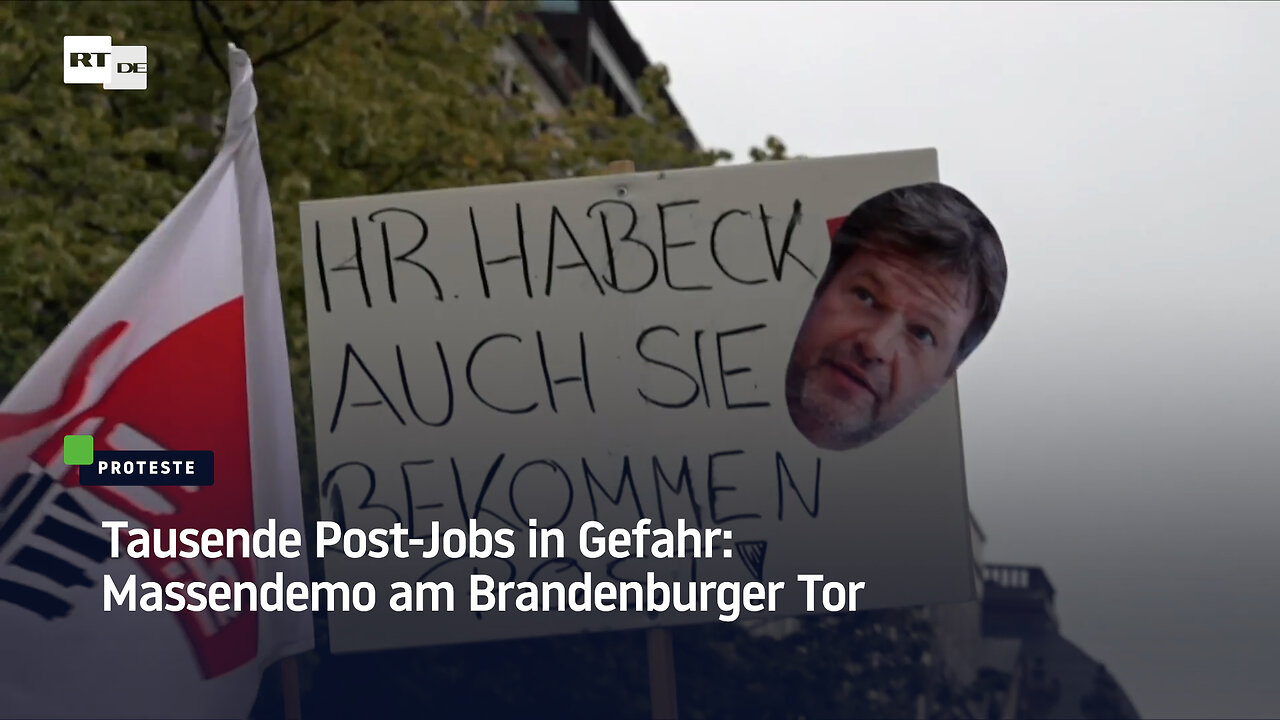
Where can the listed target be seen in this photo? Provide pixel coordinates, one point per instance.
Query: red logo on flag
(187, 392)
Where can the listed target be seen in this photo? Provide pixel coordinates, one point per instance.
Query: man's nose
(876, 342)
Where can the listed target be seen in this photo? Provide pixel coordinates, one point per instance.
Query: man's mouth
(855, 375)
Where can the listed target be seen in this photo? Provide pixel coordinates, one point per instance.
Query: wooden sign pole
(662, 662)
(662, 675)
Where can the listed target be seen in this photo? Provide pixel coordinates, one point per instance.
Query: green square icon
(77, 449)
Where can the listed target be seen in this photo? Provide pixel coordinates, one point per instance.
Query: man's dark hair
(937, 224)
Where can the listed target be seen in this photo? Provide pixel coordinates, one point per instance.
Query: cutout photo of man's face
(882, 335)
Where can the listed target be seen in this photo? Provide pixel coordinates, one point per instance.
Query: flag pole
(241, 111)
(290, 687)
(662, 662)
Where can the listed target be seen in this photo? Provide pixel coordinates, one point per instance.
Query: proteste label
(149, 467)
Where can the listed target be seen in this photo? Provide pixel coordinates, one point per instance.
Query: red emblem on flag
(187, 392)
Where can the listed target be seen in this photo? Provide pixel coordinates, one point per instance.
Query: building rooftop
(594, 47)
(1059, 680)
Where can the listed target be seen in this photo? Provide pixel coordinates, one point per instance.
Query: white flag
(182, 349)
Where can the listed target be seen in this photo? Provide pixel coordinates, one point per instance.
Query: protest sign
(618, 348)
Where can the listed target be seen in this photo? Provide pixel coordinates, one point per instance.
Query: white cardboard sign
(610, 348)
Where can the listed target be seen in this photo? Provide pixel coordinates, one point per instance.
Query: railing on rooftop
(1017, 577)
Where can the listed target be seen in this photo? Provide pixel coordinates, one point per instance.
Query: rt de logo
(92, 60)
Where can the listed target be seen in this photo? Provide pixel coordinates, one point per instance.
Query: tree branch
(267, 14)
(230, 33)
(281, 52)
(206, 42)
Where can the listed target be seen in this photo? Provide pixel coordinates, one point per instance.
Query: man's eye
(864, 296)
(924, 335)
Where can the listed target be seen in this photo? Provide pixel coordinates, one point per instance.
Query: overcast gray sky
(1122, 422)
